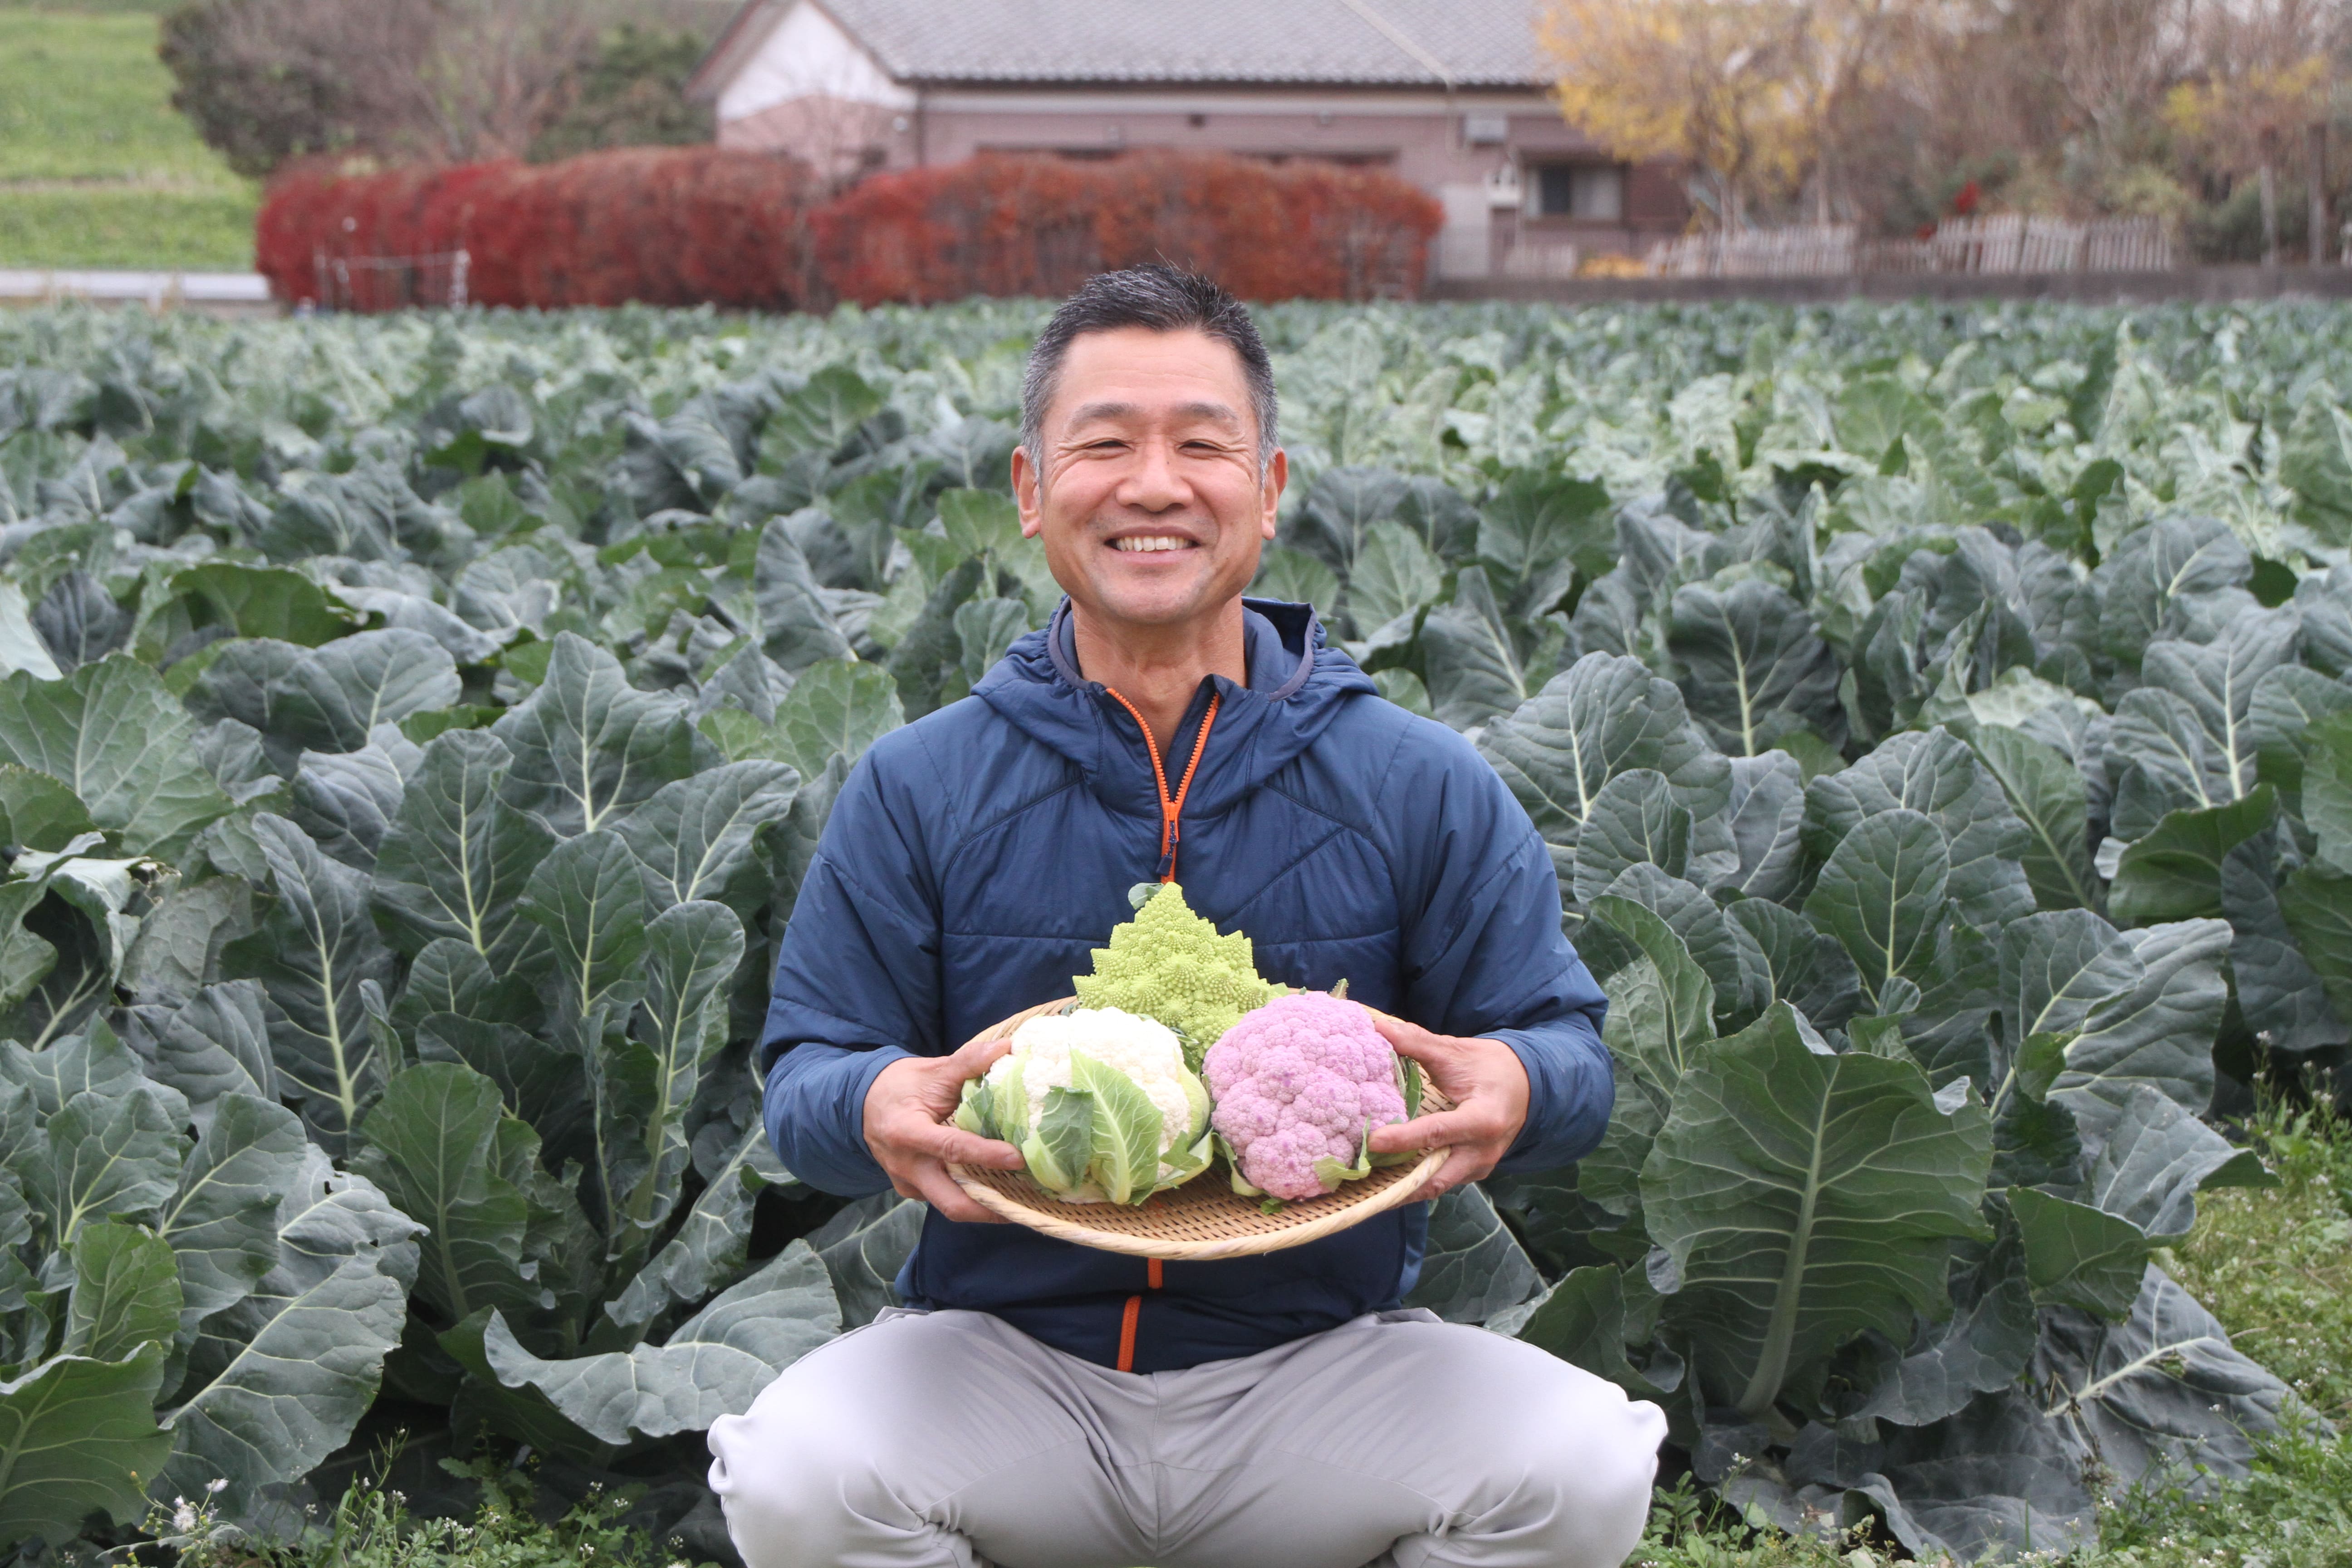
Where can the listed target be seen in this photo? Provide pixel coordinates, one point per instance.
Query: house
(1449, 94)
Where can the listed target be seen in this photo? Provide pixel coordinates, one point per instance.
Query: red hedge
(674, 227)
(663, 226)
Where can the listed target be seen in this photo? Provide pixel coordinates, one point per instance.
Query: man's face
(1150, 501)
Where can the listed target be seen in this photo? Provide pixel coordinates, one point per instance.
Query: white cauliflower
(1098, 1101)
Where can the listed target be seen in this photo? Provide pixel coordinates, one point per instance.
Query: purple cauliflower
(1297, 1086)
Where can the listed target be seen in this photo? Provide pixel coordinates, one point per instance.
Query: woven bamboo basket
(1205, 1218)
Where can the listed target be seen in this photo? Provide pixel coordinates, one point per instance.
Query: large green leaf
(2218, 680)
(315, 950)
(2286, 703)
(221, 1223)
(589, 896)
(2327, 789)
(108, 1155)
(346, 800)
(796, 625)
(826, 411)
(2046, 791)
(1980, 1348)
(2163, 1389)
(1989, 1479)
(1734, 963)
(1766, 810)
(1472, 657)
(715, 1364)
(1396, 573)
(125, 1293)
(2282, 996)
(710, 1246)
(2174, 873)
(864, 1246)
(2153, 569)
(215, 1045)
(587, 746)
(691, 952)
(1635, 821)
(278, 1381)
(1753, 668)
(77, 1436)
(695, 837)
(2317, 906)
(1882, 896)
(1801, 1199)
(40, 812)
(2077, 1254)
(455, 862)
(1801, 965)
(264, 602)
(1583, 1321)
(114, 735)
(2315, 462)
(2158, 1033)
(1602, 716)
(1536, 519)
(334, 696)
(1474, 1267)
(1935, 773)
(440, 1145)
(2164, 761)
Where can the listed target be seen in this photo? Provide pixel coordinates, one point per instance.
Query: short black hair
(1161, 299)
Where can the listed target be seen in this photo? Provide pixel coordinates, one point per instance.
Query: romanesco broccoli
(1170, 964)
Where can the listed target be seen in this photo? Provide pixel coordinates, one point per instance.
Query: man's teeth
(1151, 542)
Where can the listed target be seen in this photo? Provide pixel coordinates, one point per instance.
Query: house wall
(809, 89)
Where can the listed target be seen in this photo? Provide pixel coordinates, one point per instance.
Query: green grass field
(97, 169)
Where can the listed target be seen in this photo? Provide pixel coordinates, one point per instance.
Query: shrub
(1013, 225)
(690, 226)
(654, 225)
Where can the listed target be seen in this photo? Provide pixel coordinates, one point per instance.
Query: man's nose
(1153, 483)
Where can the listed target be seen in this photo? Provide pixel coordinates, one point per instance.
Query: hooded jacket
(975, 857)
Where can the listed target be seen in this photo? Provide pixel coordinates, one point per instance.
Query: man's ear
(1028, 492)
(1278, 474)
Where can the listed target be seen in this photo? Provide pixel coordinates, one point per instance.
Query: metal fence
(372, 283)
(2008, 243)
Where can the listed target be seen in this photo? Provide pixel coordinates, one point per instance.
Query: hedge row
(686, 225)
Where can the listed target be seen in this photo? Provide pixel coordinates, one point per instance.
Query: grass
(97, 168)
(372, 1528)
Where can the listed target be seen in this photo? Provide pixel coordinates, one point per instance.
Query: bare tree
(266, 80)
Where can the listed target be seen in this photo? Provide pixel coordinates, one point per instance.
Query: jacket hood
(1297, 683)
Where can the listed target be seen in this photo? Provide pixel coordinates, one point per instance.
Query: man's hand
(906, 1112)
(1489, 1090)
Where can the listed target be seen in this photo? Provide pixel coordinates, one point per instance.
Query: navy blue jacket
(975, 856)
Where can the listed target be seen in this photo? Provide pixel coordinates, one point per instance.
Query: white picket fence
(2006, 243)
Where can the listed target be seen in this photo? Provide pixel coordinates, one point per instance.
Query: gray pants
(953, 1440)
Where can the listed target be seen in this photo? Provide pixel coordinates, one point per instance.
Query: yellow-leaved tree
(1745, 94)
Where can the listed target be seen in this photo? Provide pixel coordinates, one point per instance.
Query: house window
(1595, 192)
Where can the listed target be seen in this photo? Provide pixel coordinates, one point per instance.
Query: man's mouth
(1136, 544)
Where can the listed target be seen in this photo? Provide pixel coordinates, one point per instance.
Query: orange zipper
(1170, 805)
(1134, 1312)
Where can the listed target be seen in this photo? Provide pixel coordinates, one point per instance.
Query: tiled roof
(1421, 43)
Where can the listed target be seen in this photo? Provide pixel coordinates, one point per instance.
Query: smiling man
(1040, 1405)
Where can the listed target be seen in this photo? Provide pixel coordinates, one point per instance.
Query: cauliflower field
(414, 731)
